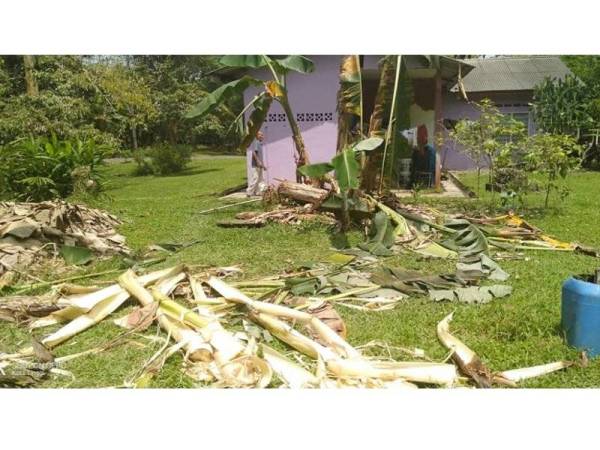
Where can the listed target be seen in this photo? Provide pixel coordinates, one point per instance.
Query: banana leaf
(471, 294)
(412, 282)
(297, 63)
(247, 61)
(76, 256)
(213, 100)
(256, 120)
(382, 236)
(466, 238)
(368, 144)
(484, 267)
(318, 170)
(346, 169)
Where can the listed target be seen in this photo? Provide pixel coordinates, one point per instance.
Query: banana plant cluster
(346, 169)
(562, 106)
(273, 90)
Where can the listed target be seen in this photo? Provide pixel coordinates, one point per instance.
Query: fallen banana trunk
(325, 333)
(226, 346)
(293, 375)
(358, 367)
(197, 349)
(466, 359)
(81, 303)
(516, 375)
(101, 310)
(302, 192)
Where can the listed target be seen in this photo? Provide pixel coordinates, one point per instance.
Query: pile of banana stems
(215, 354)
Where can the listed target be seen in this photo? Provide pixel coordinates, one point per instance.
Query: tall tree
(30, 80)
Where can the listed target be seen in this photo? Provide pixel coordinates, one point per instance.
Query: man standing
(256, 180)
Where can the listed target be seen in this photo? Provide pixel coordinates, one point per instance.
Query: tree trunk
(382, 99)
(302, 154)
(172, 132)
(134, 139)
(303, 193)
(31, 85)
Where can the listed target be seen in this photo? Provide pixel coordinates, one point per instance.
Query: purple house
(509, 83)
(313, 98)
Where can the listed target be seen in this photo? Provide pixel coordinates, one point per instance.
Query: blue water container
(581, 315)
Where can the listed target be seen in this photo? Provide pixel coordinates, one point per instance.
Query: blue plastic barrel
(581, 315)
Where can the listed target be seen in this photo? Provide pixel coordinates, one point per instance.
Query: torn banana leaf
(140, 318)
(412, 282)
(472, 294)
(400, 223)
(382, 236)
(433, 249)
(466, 238)
(482, 267)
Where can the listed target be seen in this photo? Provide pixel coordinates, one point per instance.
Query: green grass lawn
(520, 330)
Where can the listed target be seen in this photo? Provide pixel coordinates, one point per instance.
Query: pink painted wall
(313, 98)
(455, 108)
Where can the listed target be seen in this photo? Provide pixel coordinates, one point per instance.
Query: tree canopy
(123, 101)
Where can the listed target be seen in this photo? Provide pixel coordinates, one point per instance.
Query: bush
(38, 169)
(169, 159)
(164, 160)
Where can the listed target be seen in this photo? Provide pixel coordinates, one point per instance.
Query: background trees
(122, 101)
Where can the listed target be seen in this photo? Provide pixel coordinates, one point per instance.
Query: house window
(523, 118)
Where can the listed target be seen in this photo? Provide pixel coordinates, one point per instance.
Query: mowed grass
(520, 330)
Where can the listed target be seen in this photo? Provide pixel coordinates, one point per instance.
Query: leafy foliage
(382, 236)
(553, 156)
(490, 137)
(44, 168)
(467, 240)
(118, 101)
(170, 159)
(274, 89)
(562, 106)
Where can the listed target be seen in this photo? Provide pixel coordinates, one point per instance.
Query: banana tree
(273, 89)
(347, 172)
(383, 99)
(350, 100)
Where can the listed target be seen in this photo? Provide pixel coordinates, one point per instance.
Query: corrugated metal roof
(511, 73)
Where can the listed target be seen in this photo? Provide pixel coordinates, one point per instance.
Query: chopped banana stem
(464, 357)
(524, 373)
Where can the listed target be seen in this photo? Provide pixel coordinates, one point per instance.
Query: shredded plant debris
(225, 331)
(33, 232)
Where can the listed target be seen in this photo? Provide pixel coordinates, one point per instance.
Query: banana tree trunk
(349, 100)
(301, 152)
(382, 100)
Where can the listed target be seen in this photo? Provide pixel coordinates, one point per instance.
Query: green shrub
(37, 169)
(169, 159)
(143, 165)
